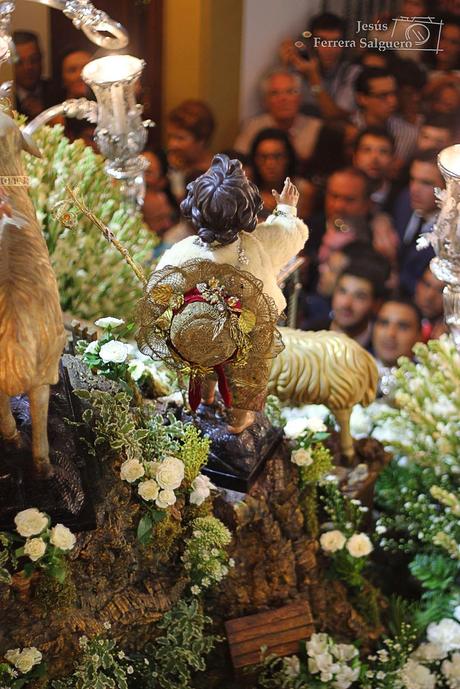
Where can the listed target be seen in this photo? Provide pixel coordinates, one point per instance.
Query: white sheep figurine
(327, 368)
(32, 334)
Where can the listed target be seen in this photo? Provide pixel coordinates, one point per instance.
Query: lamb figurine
(32, 334)
(328, 368)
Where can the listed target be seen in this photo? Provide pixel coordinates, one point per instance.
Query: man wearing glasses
(377, 98)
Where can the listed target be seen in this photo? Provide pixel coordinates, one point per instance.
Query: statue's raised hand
(289, 194)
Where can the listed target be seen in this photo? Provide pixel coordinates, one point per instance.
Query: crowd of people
(359, 133)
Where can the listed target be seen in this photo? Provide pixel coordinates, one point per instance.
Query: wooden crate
(279, 630)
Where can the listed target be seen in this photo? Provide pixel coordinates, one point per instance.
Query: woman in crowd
(272, 160)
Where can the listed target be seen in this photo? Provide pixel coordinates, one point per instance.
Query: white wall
(265, 24)
(31, 16)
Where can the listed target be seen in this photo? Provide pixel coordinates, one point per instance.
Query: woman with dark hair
(272, 160)
(72, 86)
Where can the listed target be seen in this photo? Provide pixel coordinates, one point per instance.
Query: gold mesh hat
(202, 315)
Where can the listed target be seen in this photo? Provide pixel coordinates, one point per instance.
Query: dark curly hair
(222, 202)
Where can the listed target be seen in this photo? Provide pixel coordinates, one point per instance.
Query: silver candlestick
(445, 238)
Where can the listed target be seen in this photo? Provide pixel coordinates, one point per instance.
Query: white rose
(148, 490)
(113, 351)
(108, 322)
(416, 676)
(92, 347)
(24, 660)
(315, 425)
(451, 670)
(131, 470)
(317, 644)
(35, 548)
(136, 369)
(294, 427)
(62, 537)
(331, 541)
(201, 489)
(302, 457)
(30, 522)
(445, 634)
(170, 473)
(359, 545)
(165, 498)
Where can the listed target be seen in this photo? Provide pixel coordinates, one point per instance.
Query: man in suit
(33, 93)
(414, 213)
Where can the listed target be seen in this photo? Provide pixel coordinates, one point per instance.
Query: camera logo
(418, 31)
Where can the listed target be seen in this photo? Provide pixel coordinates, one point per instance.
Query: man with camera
(329, 77)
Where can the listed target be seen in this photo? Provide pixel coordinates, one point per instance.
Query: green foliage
(101, 666)
(183, 647)
(193, 452)
(345, 514)
(113, 422)
(92, 276)
(273, 673)
(205, 557)
(274, 411)
(438, 575)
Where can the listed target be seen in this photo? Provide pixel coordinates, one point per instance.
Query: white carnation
(170, 473)
(445, 634)
(131, 470)
(302, 457)
(30, 522)
(451, 670)
(359, 545)
(35, 548)
(201, 489)
(24, 660)
(315, 425)
(331, 541)
(416, 676)
(62, 537)
(148, 490)
(113, 351)
(108, 322)
(165, 499)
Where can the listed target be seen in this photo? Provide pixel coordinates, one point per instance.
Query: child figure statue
(211, 306)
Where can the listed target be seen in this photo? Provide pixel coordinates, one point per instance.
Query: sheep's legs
(8, 429)
(39, 401)
(346, 441)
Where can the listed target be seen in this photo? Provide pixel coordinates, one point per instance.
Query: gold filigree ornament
(223, 319)
(63, 213)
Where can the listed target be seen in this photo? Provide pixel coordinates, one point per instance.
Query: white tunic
(267, 249)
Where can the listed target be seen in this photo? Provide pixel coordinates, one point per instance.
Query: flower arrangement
(22, 667)
(117, 360)
(418, 495)
(44, 547)
(205, 557)
(90, 275)
(314, 461)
